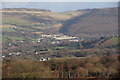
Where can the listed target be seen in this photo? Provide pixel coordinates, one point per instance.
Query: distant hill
(96, 23)
(25, 9)
(27, 24)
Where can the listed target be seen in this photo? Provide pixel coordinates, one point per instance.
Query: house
(64, 37)
(3, 56)
(55, 42)
(75, 40)
(9, 44)
(43, 59)
(15, 53)
(18, 53)
(38, 41)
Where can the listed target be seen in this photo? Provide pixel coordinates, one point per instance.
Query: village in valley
(49, 46)
(40, 43)
(53, 39)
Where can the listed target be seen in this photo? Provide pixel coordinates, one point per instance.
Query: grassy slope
(112, 42)
(18, 19)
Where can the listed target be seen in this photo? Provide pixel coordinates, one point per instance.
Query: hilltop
(25, 9)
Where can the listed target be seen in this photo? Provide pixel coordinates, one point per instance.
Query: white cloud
(59, 0)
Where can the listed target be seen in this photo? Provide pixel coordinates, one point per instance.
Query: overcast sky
(59, 6)
(59, 0)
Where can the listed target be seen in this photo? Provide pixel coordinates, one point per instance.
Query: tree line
(91, 66)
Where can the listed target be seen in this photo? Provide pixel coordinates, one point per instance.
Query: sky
(59, 0)
(59, 6)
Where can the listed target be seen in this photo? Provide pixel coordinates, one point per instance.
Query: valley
(52, 39)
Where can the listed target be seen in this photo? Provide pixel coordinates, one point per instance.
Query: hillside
(39, 43)
(89, 23)
(112, 42)
(27, 24)
(30, 31)
(96, 23)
